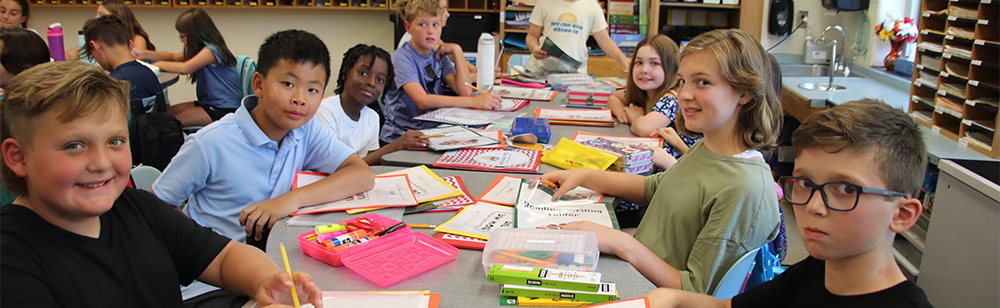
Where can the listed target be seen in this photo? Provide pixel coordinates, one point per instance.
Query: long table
(408, 158)
(461, 282)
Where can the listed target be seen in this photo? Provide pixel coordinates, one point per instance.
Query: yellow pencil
(554, 185)
(475, 88)
(431, 136)
(420, 226)
(284, 257)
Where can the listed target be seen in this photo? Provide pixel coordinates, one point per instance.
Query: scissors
(365, 223)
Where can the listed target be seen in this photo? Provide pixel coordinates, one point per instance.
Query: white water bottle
(484, 62)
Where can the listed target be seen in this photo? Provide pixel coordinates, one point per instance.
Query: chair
(245, 67)
(144, 176)
(735, 280)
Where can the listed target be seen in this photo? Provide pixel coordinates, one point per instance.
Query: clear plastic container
(560, 249)
(562, 81)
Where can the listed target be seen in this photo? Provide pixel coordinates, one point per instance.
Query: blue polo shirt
(231, 164)
(411, 66)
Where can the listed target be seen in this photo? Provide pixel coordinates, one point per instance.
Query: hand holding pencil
(287, 289)
(487, 100)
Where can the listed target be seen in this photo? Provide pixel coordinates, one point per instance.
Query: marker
(284, 257)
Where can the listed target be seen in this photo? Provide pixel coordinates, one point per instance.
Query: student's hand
(538, 53)
(620, 114)
(634, 112)
(139, 54)
(263, 215)
(661, 158)
(487, 101)
(608, 239)
(566, 179)
(410, 139)
(450, 50)
(277, 289)
(669, 135)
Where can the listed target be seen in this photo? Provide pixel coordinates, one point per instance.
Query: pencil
(475, 88)
(431, 136)
(547, 182)
(422, 226)
(284, 257)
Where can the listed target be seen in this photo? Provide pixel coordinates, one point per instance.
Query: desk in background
(461, 282)
(408, 158)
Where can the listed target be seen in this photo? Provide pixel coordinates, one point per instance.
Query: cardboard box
(544, 277)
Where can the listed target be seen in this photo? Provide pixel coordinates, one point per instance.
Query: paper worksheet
(463, 116)
(427, 186)
(641, 142)
(479, 220)
(504, 190)
(524, 93)
(600, 115)
(372, 299)
(536, 210)
(457, 137)
(389, 191)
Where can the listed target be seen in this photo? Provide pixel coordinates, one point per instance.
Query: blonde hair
(409, 9)
(668, 51)
(71, 88)
(748, 69)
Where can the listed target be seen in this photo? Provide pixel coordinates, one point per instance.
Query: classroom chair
(143, 176)
(245, 67)
(734, 282)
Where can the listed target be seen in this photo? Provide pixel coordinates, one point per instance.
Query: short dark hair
(22, 49)
(354, 54)
(870, 126)
(293, 45)
(107, 29)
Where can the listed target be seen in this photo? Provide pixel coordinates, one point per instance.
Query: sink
(808, 70)
(820, 86)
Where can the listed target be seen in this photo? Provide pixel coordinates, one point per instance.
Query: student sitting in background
(77, 237)
(209, 62)
(20, 49)
(858, 168)
(363, 76)
(420, 66)
(140, 40)
(108, 44)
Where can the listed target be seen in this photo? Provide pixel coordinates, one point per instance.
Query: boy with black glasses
(858, 168)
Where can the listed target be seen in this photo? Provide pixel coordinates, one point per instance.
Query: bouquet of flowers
(897, 30)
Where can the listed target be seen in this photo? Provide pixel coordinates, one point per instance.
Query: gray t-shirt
(400, 109)
(706, 211)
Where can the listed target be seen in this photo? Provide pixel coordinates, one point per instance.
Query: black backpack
(155, 135)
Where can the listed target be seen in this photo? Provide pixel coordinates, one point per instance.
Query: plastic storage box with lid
(558, 249)
(535, 126)
(387, 259)
(561, 81)
(594, 97)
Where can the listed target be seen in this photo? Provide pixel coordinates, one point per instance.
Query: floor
(796, 251)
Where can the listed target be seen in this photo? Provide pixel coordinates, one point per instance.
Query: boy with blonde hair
(76, 236)
(858, 168)
(420, 66)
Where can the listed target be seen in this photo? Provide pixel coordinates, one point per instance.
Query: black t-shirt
(143, 80)
(145, 250)
(802, 285)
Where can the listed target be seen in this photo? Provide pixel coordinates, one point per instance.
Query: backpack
(155, 136)
(245, 67)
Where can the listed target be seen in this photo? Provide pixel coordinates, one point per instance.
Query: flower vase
(897, 51)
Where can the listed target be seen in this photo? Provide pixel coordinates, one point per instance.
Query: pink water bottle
(56, 49)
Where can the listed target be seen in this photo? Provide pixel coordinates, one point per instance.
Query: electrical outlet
(802, 19)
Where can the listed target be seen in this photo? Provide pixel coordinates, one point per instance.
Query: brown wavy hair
(667, 49)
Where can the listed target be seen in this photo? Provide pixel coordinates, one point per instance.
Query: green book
(544, 277)
(606, 293)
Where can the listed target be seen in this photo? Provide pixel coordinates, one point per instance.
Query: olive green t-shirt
(706, 211)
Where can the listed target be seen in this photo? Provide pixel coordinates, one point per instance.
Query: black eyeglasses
(838, 196)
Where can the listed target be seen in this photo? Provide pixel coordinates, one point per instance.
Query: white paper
(456, 137)
(427, 186)
(576, 114)
(535, 209)
(479, 220)
(388, 191)
(641, 302)
(524, 93)
(461, 116)
(366, 299)
(505, 192)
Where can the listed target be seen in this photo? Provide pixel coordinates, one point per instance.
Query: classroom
(403, 147)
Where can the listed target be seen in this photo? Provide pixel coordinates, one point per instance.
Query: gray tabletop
(461, 282)
(415, 158)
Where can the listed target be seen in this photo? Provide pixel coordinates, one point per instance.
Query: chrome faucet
(833, 55)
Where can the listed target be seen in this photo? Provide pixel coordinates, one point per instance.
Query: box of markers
(606, 292)
(544, 277)
(388, 254)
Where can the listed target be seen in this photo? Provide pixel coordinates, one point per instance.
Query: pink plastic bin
(387, 259)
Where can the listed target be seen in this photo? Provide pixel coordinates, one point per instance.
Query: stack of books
(547, 283)
(624, 25)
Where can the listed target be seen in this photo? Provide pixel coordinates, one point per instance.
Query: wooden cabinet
(746, 15)
(956, 81)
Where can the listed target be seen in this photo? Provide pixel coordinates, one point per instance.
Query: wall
(820, 18)
(243, 28)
